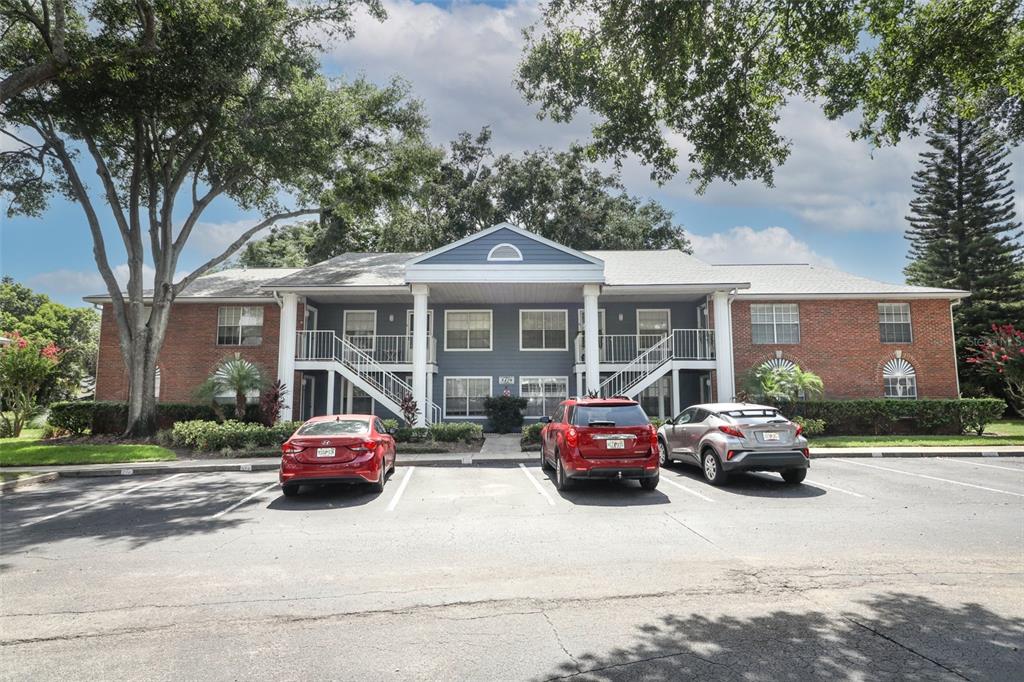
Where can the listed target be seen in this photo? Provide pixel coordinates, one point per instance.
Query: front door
(307, 397)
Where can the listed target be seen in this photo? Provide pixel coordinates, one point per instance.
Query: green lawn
(1005, 432)
(29, 451)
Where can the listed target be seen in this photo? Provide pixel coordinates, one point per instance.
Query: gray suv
(724, 437)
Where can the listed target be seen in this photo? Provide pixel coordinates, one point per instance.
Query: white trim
(909, 322)
(669, 289)
(316, 316)
(952, 335)
(885, 295)
(490, 346)
(344, 326)
(408, 321)
(504, 226)
(542, 379)
(668, 331)
(565, 316)
(238, 300)
(498, 259)
(498, 272)
(602, 321)
(775, 325)
(444, 397)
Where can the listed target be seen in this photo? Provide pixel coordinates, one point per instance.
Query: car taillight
(291, 449)
(731, 431)
(807, 453)
(799, 429)
(729, 455)
(654, 438)
(364, 446)
(572, 438)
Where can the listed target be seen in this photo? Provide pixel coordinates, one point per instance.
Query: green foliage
(24, 368)
(412, 434)
(531, 434)
(781, 384)
(390, 424)
(410, 410)
(234, 375)
(812, 427)
(209, 436)
(74, 330)
(656, 422)
(73, 417)
(1000, 355)
(284, 247)
(110, 416)
(887, 416)
(453, 432)
(505, 412)
(718, 73)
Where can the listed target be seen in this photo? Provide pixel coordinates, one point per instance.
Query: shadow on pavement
(327, 496)
(610, 493)
(894, 637)
(752, 484)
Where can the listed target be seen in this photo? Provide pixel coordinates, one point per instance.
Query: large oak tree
(165, 106)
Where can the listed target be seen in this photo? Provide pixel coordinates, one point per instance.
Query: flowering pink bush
(24, 366)
(1001, 354)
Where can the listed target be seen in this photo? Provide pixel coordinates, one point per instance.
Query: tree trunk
(141, 358)
(240, 402)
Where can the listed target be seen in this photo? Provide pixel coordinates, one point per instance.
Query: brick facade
(840, 342)
(189, 354)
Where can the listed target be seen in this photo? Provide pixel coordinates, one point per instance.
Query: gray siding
(475, 252)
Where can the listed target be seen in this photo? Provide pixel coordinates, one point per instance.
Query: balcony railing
(387, 349)
(687, 344)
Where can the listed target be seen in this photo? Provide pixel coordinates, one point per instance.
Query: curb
(18, 483)
(826, 453)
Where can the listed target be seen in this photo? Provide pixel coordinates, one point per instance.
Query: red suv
(600, 438)
(351, 448)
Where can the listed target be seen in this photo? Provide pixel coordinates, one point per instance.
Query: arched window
(505, 252)
(900, 379)
(779, 363)
(156, 385)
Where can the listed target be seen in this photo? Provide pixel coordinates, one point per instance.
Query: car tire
(712, 468)
(290, 490)
(562, 481)
(650, 483)
(544, 465)
(378, 485)
(663, 457)
(794, 476)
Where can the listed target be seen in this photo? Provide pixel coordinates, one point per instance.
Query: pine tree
(964, 233)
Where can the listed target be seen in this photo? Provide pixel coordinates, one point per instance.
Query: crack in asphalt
(691, 530)
(648, 659)
(903, 646)
(561, 644)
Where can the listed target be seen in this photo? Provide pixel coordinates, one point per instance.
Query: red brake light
(729, 455)
(654, 438)
(364, 446)
(807, 453)
(572, 437)
(799, 429)
(731, 431)
(289, 448)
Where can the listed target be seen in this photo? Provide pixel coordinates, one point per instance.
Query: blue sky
(835, 202)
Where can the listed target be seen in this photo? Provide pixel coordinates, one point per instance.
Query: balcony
(687, 344)
(386, 349)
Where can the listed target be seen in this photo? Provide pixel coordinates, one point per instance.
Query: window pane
(532, 319)
(455, 338)
(762, 333)
(533, 338)
(652, 321)
(554, 339)
(787, 333)
(360, 323)
(480, 338)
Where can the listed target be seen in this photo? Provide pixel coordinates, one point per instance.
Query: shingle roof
(351, 270)
(670, 266)
(805, 279)
(228, 283)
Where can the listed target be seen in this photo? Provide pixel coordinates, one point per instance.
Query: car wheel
(712, 468)
(650, 483)
(544, 466)
(663, 457)
(290, 490)
(562, 482)
(794, 476)
(378, 485)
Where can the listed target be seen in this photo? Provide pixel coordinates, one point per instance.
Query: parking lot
(873, 569)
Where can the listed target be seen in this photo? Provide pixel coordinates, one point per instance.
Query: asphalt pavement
(873, 569)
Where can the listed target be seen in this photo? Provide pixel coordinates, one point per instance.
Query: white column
(591, 330)
(430, 388)
(330, 391)
(676, 407)
(419, 350)
(350, 396)
(579, 384)
(286, 351)
(726, 384)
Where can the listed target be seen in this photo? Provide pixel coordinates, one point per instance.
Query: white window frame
(602, 327)
(668, 331)
(542, 379)
(156, 384)
(565, 317)
(373, 337)
(911, 375)
(775, 325)
(240, 343)
(444, 397)
(430, 321)
(505, 259)
(315, 317)
(490, 317)
(909, 323)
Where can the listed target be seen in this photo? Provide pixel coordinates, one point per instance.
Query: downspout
(732, 342)
(952, 332)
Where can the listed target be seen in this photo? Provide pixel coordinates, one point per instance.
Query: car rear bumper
(362, 469)
(766, 461)
(612, 467)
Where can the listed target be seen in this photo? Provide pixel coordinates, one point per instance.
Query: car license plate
(325, 452)
(616, 444)
(771, 435)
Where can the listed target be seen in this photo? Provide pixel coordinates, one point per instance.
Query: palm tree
(236, 375)
(783, 384)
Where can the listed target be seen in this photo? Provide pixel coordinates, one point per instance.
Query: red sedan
(341, 448)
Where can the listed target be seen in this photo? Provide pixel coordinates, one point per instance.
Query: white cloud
(744, 244)
(64, 282)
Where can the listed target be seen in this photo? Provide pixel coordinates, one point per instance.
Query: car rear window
(750, 413)
(339, 427)
(609, 415)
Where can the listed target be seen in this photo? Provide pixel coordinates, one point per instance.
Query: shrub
(453, 432)
(414, 434)
(1000, 355)
(656, 422)
(271, 402)
(390, 424)
(505, 412)
(210, 436)
(812, 427)
(24, 367)
(111, 416)
(74, 417)
(882, 416)
(531, 434)
(410, 410)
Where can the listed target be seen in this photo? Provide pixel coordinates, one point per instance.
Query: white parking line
(979, 464)
(99, 501)
(932, 478)
(401, 489)
(831, 487)
(537, 485)
(685, 489)
(238, 504)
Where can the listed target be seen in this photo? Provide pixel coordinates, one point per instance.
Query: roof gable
(481, 248)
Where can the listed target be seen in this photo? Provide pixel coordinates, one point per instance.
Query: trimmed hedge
(210, 436)
(505, 412)
(74, 417)
(531, 434)
(454, 432)
(111, 416)
(910, 417)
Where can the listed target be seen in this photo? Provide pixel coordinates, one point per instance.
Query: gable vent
(505, 252)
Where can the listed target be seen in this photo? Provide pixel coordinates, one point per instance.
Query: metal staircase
(646, 368)
(359, 367)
